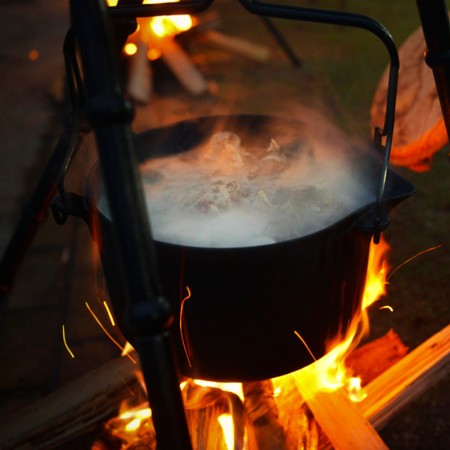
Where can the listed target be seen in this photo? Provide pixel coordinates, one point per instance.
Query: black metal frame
(150, 315)
(436, 29)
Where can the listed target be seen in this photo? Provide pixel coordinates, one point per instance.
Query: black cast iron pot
(247, 302)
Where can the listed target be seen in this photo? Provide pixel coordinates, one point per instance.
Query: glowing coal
(232, 191)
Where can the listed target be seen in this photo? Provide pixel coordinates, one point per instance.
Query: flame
(135, 417)
(234, 388)
(226, 422)
(158, 26)
(170, 25)
(329, 373)
(290, 391)
(376, 277)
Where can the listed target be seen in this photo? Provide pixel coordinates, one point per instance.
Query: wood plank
(73, 409)
(407, 380)
(237, 45)
(343, 424)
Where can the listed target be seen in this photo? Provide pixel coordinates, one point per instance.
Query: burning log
(74, 409)
(262, 410)
(84, 403)
(404, 381)
(207, 412)
(383, 353)
(342, 423)
(408, 379)
(179, 63)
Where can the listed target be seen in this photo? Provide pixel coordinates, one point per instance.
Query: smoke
(255, 182)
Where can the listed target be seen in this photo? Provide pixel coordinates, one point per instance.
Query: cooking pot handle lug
(374, 222)
(69, 204)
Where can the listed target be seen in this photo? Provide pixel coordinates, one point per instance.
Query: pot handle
(69, 204)
(356, 21)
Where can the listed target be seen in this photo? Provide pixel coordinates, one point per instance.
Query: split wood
(89, 400)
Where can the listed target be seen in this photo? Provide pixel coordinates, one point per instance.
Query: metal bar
(150, 315)
(435, 24)
(283, 43)
(36, 210)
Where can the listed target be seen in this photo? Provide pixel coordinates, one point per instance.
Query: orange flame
(325, 374)
(226, 422)
(155, 27)
(329, 372)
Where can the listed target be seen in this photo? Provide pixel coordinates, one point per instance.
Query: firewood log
(89, 400)
(262, 411)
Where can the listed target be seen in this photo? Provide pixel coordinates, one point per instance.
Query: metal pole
(436, 30)
(150, 315)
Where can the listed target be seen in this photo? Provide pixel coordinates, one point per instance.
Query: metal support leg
(150, 315)
(436, 29)
(35, 212)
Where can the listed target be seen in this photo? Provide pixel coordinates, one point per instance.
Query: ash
(229, 193)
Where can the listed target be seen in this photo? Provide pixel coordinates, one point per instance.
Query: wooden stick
(405, 381)
(262, 411)
(139, 83)
(408, 379)
(345, 427)
(179, 63)
(339, 419)
(237, 45)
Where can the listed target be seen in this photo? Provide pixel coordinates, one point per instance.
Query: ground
(338, 76)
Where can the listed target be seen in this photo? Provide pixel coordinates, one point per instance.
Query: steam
(237, 190)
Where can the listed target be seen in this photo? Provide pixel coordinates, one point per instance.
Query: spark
(65, 342)
(390, 308)
(107, 333)
(127, 348)
(305, 344)
(188, 296)
(111, 317)
(413, 257)
(153, 54)
(33, 55)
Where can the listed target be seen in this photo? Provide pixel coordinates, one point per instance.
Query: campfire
(155, 39)
(273, 414)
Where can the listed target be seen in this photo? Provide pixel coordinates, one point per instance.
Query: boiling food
(228, 193)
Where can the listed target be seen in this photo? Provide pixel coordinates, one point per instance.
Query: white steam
(228, 193)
